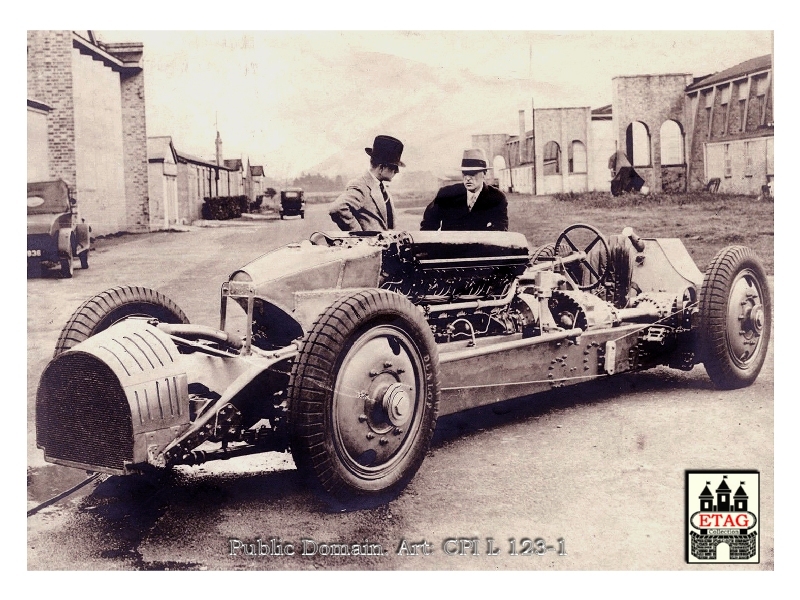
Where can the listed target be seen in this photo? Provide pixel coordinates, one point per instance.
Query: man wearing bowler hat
(473, 205)
(365, 204)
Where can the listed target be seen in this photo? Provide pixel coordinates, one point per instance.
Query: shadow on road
(453, 426)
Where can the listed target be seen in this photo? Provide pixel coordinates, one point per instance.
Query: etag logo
(722, 517)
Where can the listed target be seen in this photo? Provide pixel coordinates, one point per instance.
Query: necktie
(471, 201)
(389, 215)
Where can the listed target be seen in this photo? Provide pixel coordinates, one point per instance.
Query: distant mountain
(434, 112)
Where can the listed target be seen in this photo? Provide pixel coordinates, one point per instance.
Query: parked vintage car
(293, 203)
(56, 233)
(356, 342)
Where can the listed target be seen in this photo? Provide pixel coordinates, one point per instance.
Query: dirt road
(600, 466)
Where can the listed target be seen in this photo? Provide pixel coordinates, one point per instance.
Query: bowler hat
(474, 160)
(386, 150)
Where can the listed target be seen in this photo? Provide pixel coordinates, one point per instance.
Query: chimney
(522, 140)
(219, 149)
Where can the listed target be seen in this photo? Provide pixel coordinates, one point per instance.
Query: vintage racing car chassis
(355, 344)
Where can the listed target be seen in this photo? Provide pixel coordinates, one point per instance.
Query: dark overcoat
(449, 211)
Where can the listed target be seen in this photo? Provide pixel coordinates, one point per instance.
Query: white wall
(38, 158)
(739, 181)
(99, 159)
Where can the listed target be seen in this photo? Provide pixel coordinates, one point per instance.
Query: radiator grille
(82, 414)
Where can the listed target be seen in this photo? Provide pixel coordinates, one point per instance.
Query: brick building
(679, 132)
(650, 125)
(86, 125)
(733, 133)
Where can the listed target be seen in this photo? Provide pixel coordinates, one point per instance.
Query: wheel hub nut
(397, 404)
(757, 318)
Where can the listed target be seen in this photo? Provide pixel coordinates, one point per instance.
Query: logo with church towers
(722, 524)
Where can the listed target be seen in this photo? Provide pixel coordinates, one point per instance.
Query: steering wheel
(594, 266)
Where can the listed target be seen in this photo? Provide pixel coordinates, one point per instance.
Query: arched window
(577, 157)
(552, 158)
(671, 143)
(637, 144)
(499, 163)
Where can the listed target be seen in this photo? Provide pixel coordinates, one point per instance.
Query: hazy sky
(300, 101)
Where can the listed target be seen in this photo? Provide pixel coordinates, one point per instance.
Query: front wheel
(364, 396)
(735, 318)
(100, 312)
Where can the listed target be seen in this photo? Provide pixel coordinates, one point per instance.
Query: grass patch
(705, 222)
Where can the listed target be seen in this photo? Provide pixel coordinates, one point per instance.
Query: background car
(56, 233)
(293, 202)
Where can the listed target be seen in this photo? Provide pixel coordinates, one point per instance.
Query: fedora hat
(386, 150)
(474, 160)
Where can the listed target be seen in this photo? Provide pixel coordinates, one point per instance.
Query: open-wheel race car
(355, 343)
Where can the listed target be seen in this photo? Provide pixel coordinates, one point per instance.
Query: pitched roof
(723, 487)
(257, 171)
(740, 493)
(160, 149)
(233, 163)
(183, 157)
(753, 65)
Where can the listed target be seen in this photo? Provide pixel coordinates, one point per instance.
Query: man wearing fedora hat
(365, 204)
(473, 205)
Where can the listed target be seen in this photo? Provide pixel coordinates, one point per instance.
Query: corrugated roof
(742, 69)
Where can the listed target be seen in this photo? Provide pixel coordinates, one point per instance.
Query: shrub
(223, 208)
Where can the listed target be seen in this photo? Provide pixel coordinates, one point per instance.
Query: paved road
(600, 466)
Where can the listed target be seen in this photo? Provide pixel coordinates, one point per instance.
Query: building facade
(679, 133)
(733, 132)
(163, 183)
(180, 182)
(553, 156)
(86, 125)
(199, 179)
(38, 151)
(650, 125)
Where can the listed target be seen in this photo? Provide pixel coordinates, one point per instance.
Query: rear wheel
(735, 318)
(364, 397)
(103, 310)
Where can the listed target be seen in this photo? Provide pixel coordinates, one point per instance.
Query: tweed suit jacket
(449, 210)
(361, 206)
